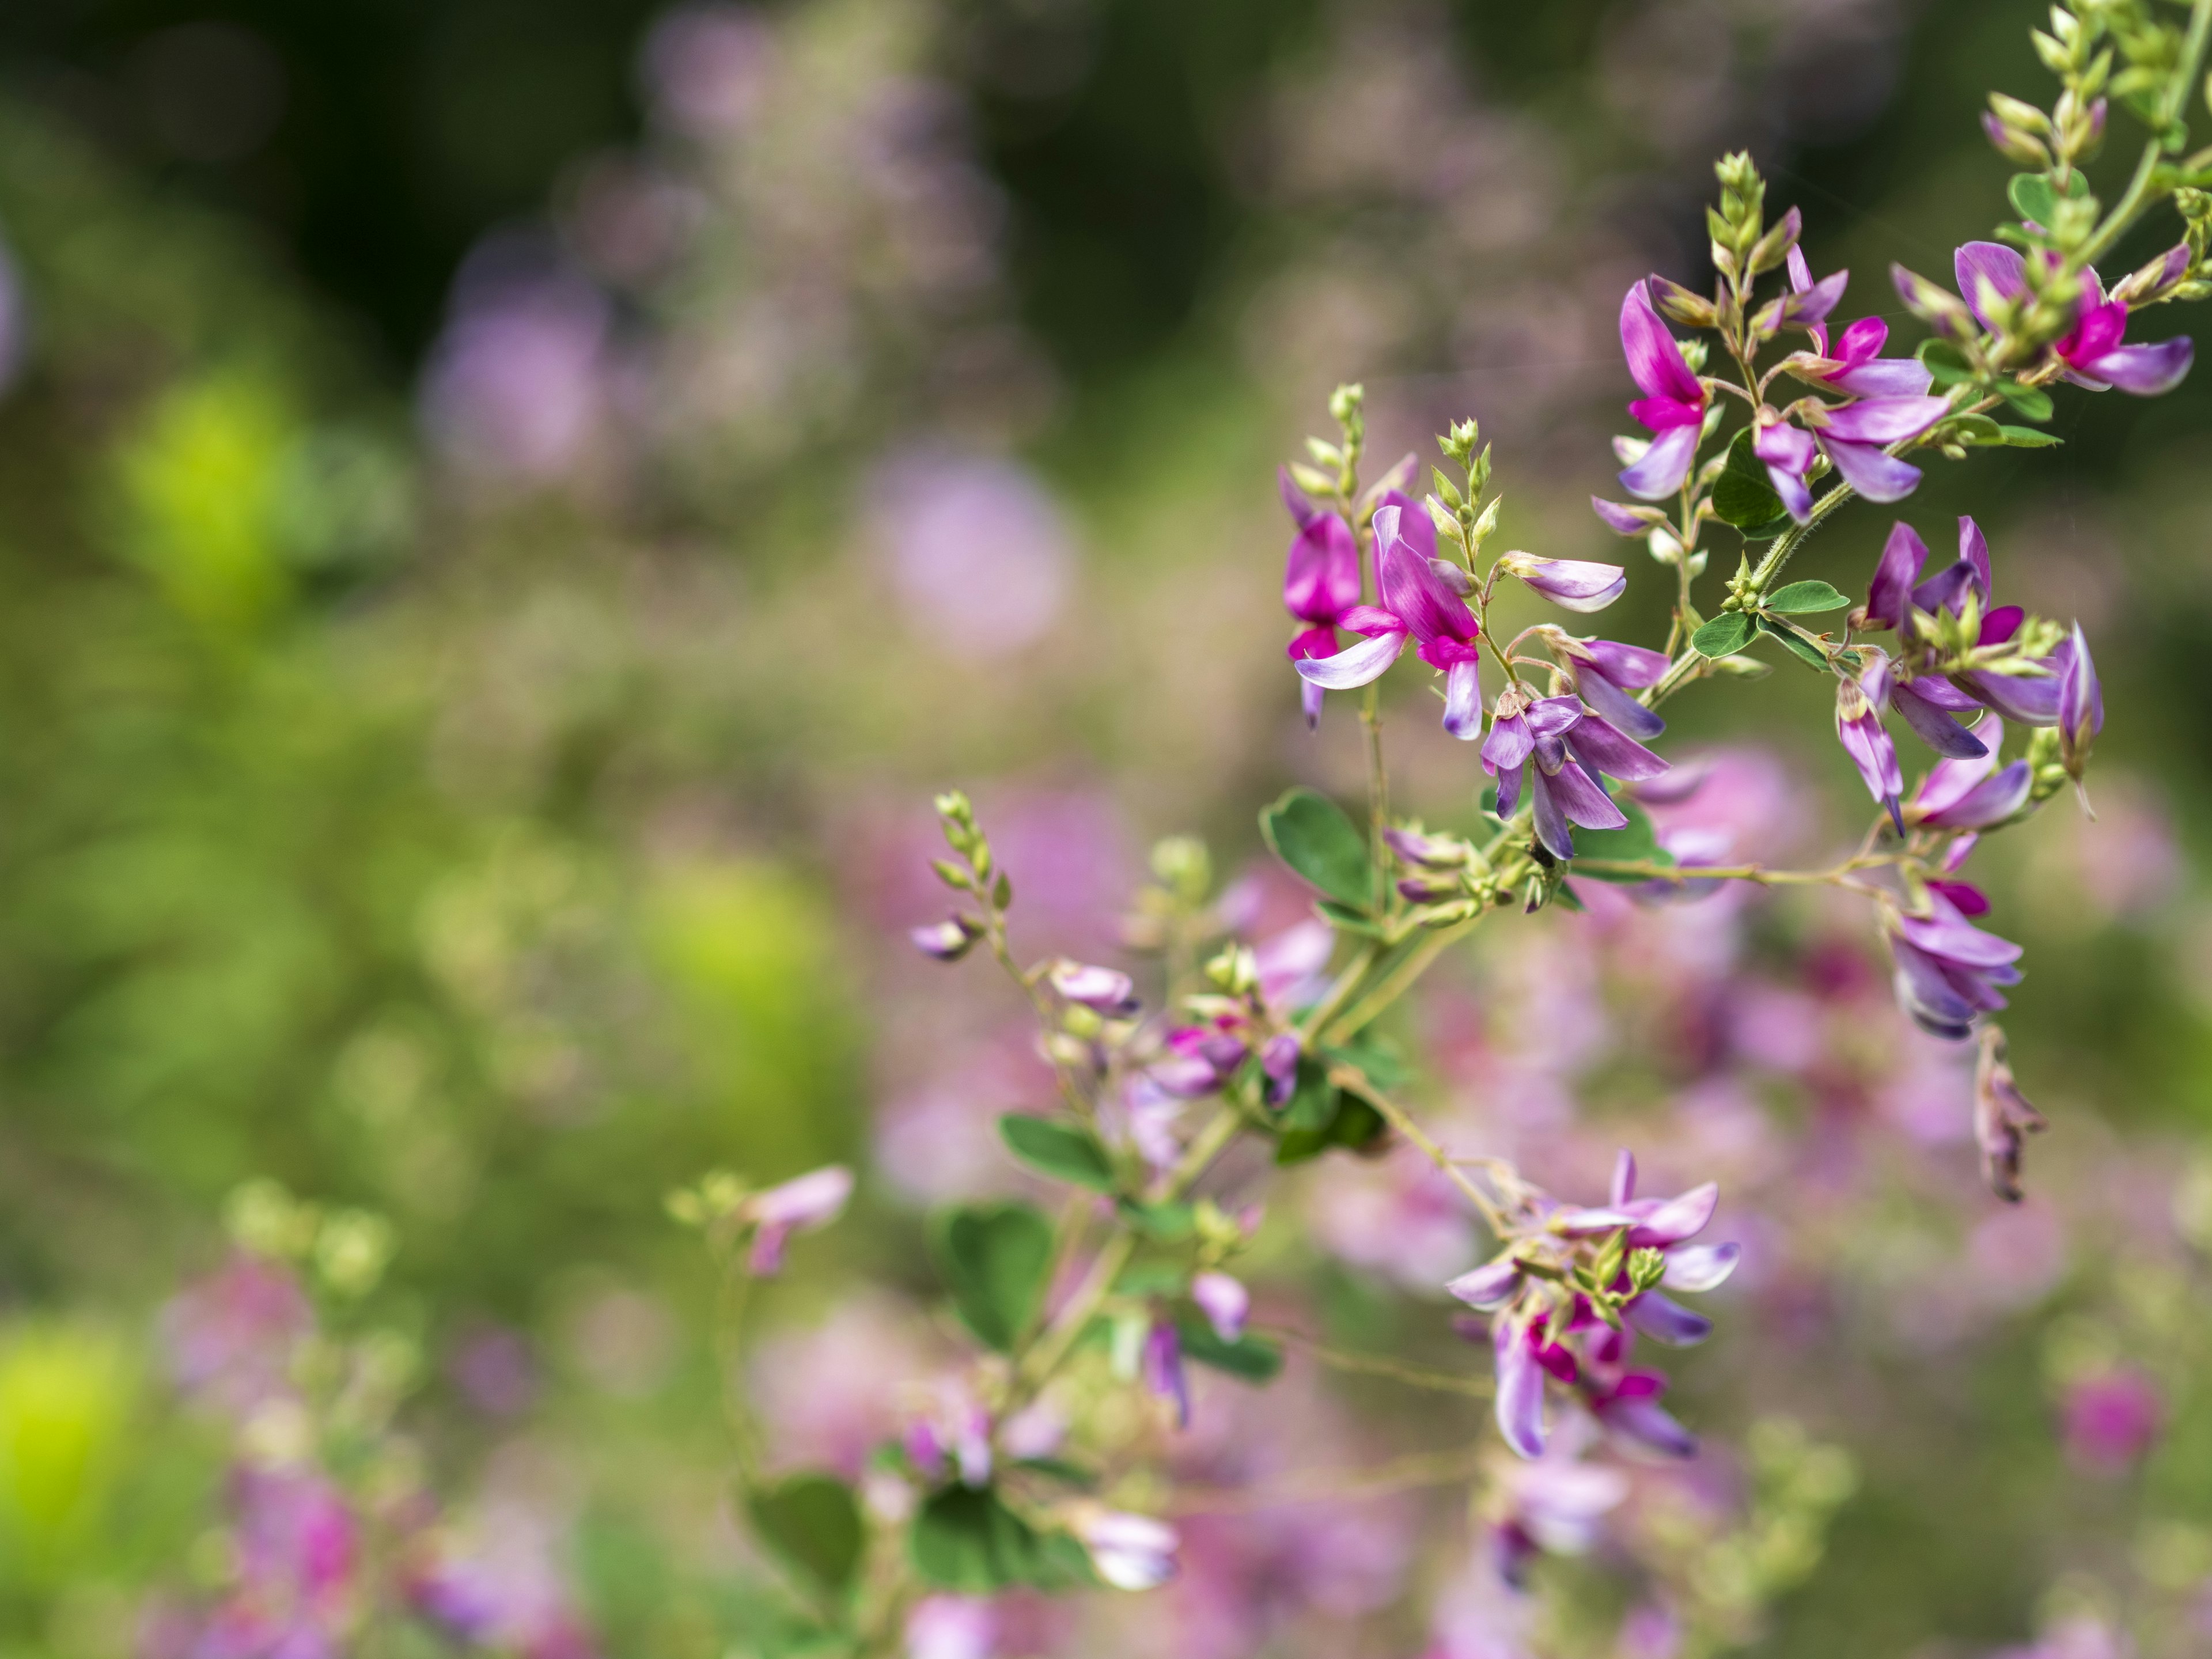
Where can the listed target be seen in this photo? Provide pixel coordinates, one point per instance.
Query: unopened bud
(1681, 305)
(1771, 249)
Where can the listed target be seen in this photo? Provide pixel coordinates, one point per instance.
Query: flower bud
(1681, 305)
(948, 940)
(1934, 303)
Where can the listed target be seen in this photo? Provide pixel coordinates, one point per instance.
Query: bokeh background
(507, 511)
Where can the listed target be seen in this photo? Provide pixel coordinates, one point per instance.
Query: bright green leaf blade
(1723, 636)
(993, 1258)
(2033, 198)
(1312, 1103)
(1310, 832)
(966, 1538)
(813, 1522)
(1249, 1357)
(2031, 401)
(1946, 362)
(1059, 1150)
(1797, 598)
(1799, 646)
(2027, 437)
(1741, 495)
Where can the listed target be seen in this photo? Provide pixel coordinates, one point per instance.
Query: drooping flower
(1320, 584)
(802, 1204)
(1419, 602)
(1581, 584)
(2091, 350)
(1853, 436)
(1859, 729)
(1673, 402)
(1605, 672)
(2081, 704)
(1562, 748)
(1161, 1367)
(1856, 367)
(2003, 1119)
(1948, 972)
(1961, 795)
(1224, 1302)
(1926, 704)
(948, 940)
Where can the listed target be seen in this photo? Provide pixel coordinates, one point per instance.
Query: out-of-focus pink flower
(707, 68)
(1397, 1217)
(2112, 1419)
(230, 1337)
(515, 388)
(975, 547)
(829, 1394)
(802, 1204)
(952, 1627)
(494, 1368)
(296, 1550)
(498, 1586)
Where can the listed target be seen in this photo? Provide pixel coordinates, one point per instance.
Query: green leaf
(2031, 401)
(1634, 843)
(1723, 636)
(1386, 1069)
(1312, 1103)
(1798, 597)
(1059, 1150)
(813, 1522)
(1059, 1469)
(1310, 832)
(1972, 430)
(1741, 495)
(993, 1258)
(1247, 1358)
(2035, 200)
(1946, 362)
(2027, 437)
(965, 1539)
(1799, 646)
(1347, 920)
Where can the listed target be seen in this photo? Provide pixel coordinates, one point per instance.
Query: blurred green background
(507, 511)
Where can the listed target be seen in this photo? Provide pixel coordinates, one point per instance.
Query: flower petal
(1938, 729)
(2145, 371)
(1677, 1218)
(1520, 1390)
(1876, 477)
(1903, 557)
(1664, 1319)
(1991, 263)
(1620, 710)
(1463, 700)
(1490, 1285)
(1988, 803)
(1660, 473)
(1655, 361)
(1700, 1266)
(1359, 665)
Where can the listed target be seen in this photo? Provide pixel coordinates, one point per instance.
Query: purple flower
(1627, 1403)
(1570, 747)
(1320, 584)
(1859, 729)
(1523, 1356)
(1856, 367)
(1852, 436)
(1673, 402)
(1926, 704)
(948, 940)
(1224, 1301)
(2111, 1420)
(1947, 970)
(1105, 989)
(1605, 672)
(1419, 602)
(1961, 795)
(1200, 1059)
(1896, 594)
(2003, 1119)
(802, 1204)
(2081, 704)
(1625, 520)
(1579, 585)
(1554, 1504)
(1163, 1370)
(2091, 350)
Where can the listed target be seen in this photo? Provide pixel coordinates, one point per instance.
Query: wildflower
(1673, 404)
(1200, 1059)
(1131, 1552)
(1570, 747)
(951, 1436)
(2002, 1117)
(1163, 1370)
(1854, 366)
(1948, 972)
(2081, 704)
(1104, 989)
(1224, 1302)
(1961, 795)
(803, 1204)
(1605, 672)
(1320, 584)
(948, 940)
(1859, 729)
(1419, 602)
(1581, 584)
(2093, 354)
(1926, 704)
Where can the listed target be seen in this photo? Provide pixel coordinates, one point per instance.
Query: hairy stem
(1353, 1080)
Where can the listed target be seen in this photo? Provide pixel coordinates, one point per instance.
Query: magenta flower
(1570, 747)
(2080, 703)
(1948, 971)
(2092, 351)
(1417, 602)
(2111, 1420)
(1605, 672)
(1581, 584)
(1200, 1059)
(802, 1204)
(1852, 436)
(1673, 402)
(1926, 704)
(1856, 367)
(1896, 593)
(1961, 795)
(1859, 729)
(1320, 584)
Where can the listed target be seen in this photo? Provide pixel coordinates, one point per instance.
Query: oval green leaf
(1722, 636)
(993, 1258)
(1311, 834)
(1059, 1150)
(1797, 598)
(814, 1524)
(1248, 1358)
(2027, 437)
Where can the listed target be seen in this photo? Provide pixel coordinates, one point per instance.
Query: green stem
(2140, 195)
(1378, 794)
(1353, 1080)
(1401, 978)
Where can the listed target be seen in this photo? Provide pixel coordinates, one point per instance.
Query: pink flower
(1672, 404)
(2110, 1419)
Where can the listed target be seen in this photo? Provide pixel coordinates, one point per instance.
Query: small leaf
(1635, 842)
(1059, 1469)
(965, 1539)
(1313, 1102)
(1971, 430)
(1797, 599)
(1801, 648)
(2033, 198)
(813, 1522)
(1247, 1358)
(1059, 1150)
(1385, 1066)
(2027, 437)
(1946, 362)
(2031, 401)
(1168, 1224)
(1725, 635)
(993, 1258)
(1741, 495)
(1345, 919)
(1310, 832)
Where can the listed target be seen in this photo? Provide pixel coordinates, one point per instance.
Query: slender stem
(1353, 1080)
(2138, 196)
(1323, 1486)
(1837, 877)
(1347, 982)
(1480, 1384)
(1378, 793)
